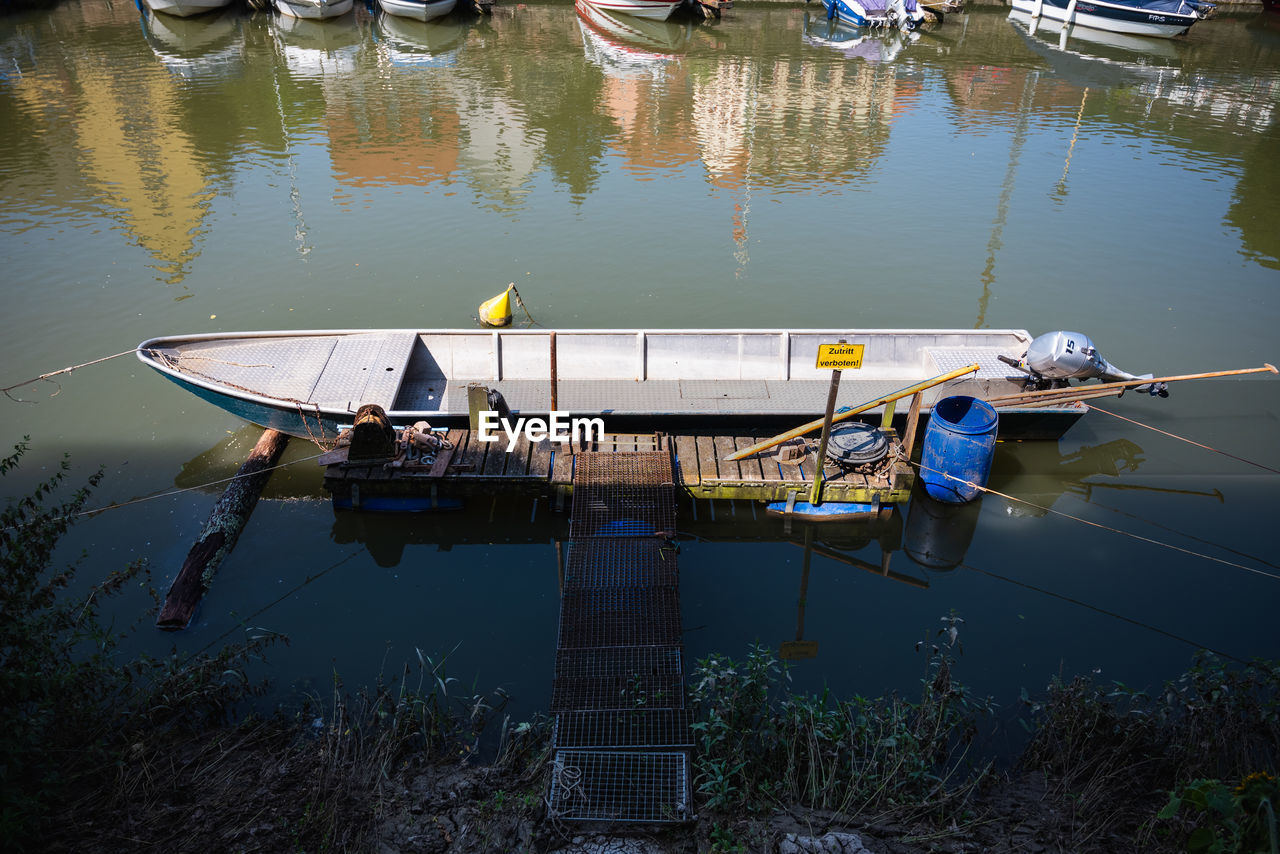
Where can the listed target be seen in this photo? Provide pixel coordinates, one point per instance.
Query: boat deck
(411, 374)
(547, 468)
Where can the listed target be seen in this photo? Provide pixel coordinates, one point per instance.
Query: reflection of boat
(906, 14)
(657, 9)
(298, 381)
(856, 42)
(312, 48)
(404, 41)
(627, 45)
(1162, 18)
(314, 8)
(186, 8)
(421, 10)
(1105, 60)
(195, 47)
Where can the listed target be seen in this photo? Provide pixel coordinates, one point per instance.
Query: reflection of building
(129, 147)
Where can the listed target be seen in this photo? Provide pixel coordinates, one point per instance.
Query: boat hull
(860, 14)
(185, 8)
(314, 11)
(658, 10)
(1112, 17)
(309, 384)
(421, 11)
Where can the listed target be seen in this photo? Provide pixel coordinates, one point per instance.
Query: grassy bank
(107, 753)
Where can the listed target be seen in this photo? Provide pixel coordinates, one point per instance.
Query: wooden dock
(546, 468)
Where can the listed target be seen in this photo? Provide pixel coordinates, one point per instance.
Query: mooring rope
(1080, 519)
(1183, 439)
(1103, 611)
(180, 491)
(48, 377)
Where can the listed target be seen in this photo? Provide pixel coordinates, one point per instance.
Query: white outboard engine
(1062, 356)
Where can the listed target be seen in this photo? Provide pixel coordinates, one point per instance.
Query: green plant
(76, 712)
(1224, 820)
(759, 745)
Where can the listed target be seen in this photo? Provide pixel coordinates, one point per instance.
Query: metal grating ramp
(622, 735)
(621, 786)
(946, 359)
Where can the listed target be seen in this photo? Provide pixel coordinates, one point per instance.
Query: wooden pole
(857, 410)
(554, 380)
(221, 531)
(820, 464)
(913, 425)
(1052, 392)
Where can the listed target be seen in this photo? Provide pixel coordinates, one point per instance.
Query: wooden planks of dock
(546, 467)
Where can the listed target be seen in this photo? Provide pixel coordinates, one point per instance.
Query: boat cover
(879, 7)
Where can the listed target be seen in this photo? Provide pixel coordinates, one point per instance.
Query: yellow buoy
(497, 311)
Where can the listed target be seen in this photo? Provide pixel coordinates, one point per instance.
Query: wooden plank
(853, 480)
(496, 458)
(751, 467)
(707, 469)
(687, 453)
(562, 465)
(771, 469)
(729, 469)
(806, 468)
(441, 466)
(518, 459)
(472, 454)
(540, 459)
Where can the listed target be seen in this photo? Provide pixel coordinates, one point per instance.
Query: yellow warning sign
(840, 357)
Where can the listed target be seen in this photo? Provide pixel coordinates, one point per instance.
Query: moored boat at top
(186, 8)
(657, 9)
(904, 14)
(422, 10)
(310, 383)
(1159, 18)
(314, 9)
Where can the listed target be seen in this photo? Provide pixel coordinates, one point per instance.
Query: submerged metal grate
(621, 562)
(622, 510)
(621, 616)
(599, 785)
(629, 728)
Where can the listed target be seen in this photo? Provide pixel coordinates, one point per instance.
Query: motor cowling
(1061, 356)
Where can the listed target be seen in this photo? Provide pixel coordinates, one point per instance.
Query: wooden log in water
(221, 531)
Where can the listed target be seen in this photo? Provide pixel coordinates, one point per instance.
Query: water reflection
(408, 43)
(313, 48)
(870, 45)
(201, 46)
(1105, 60)
(1039, 474)
(629, 46)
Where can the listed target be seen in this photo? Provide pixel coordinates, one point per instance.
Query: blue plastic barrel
(960, 442)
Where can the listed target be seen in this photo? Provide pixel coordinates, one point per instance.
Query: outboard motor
(1055, 357)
